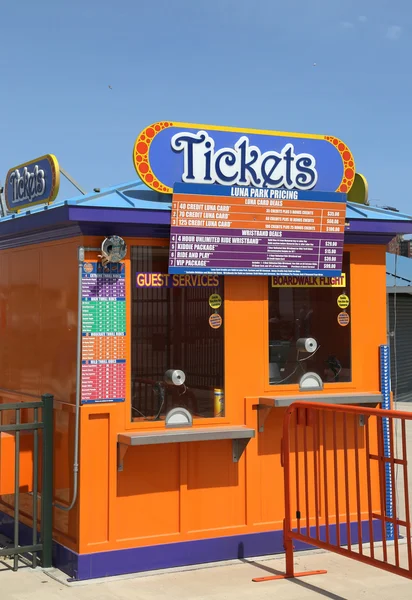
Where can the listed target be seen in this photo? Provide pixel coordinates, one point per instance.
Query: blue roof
(136, 194)
(398, 270)
(359, 211)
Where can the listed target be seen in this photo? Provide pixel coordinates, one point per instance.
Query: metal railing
(338, 496)
(40, 428)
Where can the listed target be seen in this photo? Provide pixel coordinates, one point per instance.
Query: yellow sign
(343, 319)
(359, 190)
(215, 301)
(308, 281)
(343, 301)
(215, 321)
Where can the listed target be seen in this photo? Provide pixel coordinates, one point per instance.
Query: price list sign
(103, 333)
(256, 231)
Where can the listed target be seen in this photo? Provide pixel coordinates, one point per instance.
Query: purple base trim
(7, 529)
(163, 556)
(133, 560)
(368, 238)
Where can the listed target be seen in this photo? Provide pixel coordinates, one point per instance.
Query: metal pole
(3, 208)
(80, 259)
(385, 374)
(35, 484)
(72, 181)
(47, 482)
(17, 491)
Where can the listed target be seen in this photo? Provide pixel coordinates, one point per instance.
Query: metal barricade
(41, 428)
(346, 489)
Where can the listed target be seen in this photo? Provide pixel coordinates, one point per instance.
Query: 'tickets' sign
(34, 182)
(166, 153)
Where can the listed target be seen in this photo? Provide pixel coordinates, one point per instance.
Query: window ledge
(266, 403)
(240, 436)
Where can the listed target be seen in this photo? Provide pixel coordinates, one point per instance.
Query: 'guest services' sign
(167, 153)
(34, 182)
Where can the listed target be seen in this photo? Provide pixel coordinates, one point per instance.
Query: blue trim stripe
(386, 405)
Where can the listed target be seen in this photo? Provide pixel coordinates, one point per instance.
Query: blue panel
(385, 371)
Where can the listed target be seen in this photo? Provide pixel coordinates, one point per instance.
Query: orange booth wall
(171, 492)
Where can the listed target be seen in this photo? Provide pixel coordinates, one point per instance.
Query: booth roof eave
(68, 221)
(133, 209)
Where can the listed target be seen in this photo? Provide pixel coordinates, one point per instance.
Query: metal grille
(401, 356)
(23, 416)
(299, 312)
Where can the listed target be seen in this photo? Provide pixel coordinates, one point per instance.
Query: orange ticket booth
(170, 386)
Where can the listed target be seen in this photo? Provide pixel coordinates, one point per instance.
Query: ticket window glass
(172, 329)
(310, 312)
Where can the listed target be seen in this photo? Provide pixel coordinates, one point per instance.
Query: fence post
(47, 482)
(385, 374)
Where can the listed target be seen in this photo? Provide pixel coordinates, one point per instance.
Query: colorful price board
(256, 231)
(103, 333)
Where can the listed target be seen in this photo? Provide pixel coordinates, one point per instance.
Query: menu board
(256, 231)
(103, 333)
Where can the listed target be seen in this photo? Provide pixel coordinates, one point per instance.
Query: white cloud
(362, 19)
(394, 32)
(347, 25)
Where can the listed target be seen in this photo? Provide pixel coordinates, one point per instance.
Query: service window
(321, 312)
(177, 323)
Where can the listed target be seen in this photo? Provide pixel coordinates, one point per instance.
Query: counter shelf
(267, 403)
(240, 436)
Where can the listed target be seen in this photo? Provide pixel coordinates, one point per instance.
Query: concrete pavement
(345, 580)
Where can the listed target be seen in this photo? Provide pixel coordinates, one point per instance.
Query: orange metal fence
(340, 493)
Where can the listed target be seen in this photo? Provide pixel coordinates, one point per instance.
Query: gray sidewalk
(345, 580)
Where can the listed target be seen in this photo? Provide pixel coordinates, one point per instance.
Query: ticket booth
(173, 319)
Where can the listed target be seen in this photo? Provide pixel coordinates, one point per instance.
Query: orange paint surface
(7, 454)
(38, 306)
(174, 492)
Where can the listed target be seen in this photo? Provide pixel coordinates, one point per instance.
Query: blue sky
(339, 67)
